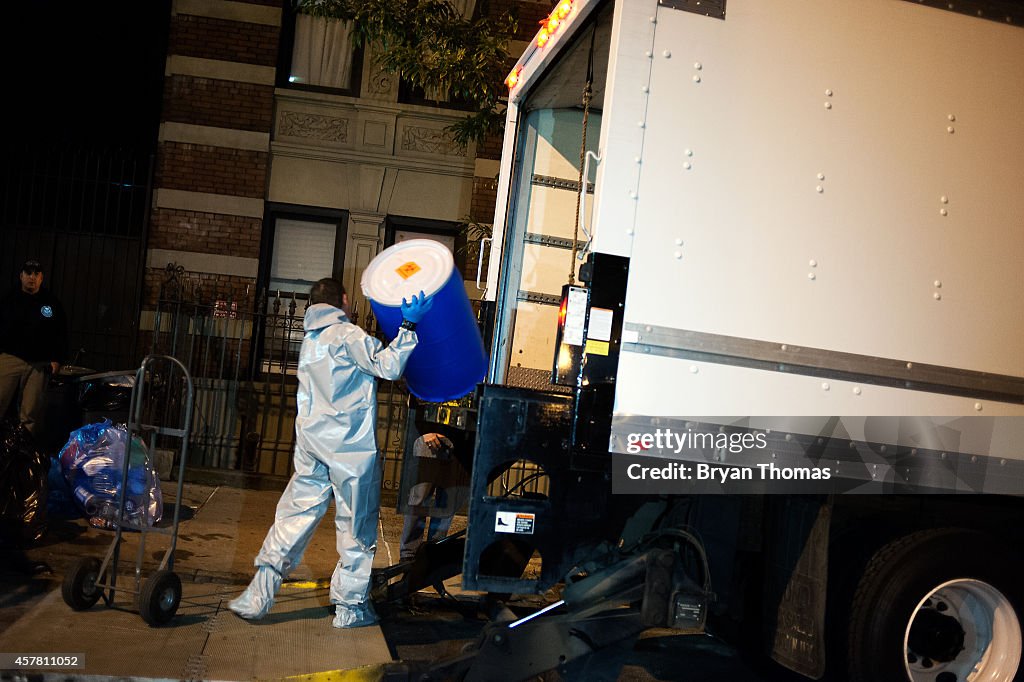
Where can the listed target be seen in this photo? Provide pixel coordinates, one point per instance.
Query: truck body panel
(829, 180)
(885, 225)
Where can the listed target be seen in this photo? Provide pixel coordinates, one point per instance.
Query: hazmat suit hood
(321, 315)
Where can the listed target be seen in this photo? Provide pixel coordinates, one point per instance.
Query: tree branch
(429, 44)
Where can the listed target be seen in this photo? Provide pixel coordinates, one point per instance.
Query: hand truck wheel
(159, 598)
(79, 587)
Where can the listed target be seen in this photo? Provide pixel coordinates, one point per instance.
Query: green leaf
(432, 46)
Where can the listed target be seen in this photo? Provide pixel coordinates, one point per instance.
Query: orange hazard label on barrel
(408, 270)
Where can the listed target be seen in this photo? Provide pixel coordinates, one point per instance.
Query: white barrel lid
(405, 269)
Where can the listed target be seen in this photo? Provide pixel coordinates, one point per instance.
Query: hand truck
(163, 392)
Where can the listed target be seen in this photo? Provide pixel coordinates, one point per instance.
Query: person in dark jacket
(439, 487)
(33, 343)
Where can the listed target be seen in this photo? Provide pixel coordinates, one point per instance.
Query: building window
(446, 239)
(412, 94)
(399, 229)
(299, 249)
(319, 54)
(304, 251)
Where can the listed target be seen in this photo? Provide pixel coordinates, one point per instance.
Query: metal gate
(243, 356)
(83, 214)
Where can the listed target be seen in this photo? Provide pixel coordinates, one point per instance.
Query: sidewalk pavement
(219, 536)
(221, 531)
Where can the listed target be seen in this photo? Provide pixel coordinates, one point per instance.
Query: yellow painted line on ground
(367, 673)
(307, 584)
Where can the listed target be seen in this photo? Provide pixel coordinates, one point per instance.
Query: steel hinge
(539, 298)
(548, 240)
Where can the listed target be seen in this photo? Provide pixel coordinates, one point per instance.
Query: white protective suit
(335, 449)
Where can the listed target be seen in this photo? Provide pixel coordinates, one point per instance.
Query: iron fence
(243, 356)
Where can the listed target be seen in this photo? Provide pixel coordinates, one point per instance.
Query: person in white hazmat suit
(335, 450)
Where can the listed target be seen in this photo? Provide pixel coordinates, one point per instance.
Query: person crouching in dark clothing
(33, 343)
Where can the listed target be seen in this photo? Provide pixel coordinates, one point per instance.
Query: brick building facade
(214, 147)
(286, 154)
(241, 146)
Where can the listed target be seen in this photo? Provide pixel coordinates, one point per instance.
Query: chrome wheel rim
(964, 630)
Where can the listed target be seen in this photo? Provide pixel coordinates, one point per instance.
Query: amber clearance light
(513, 78)
(548, 27)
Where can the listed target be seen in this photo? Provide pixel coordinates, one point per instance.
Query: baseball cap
(31, 266)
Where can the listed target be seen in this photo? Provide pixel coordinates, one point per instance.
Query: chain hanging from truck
(588, 92)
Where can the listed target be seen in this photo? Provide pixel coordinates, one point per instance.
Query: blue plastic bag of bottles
(60, 503)
(92, 462)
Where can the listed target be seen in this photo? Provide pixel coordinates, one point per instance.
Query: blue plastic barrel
(450, 359)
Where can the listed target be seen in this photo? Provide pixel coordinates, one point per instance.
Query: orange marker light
(513, 78)
(553, 22)
(548, 27)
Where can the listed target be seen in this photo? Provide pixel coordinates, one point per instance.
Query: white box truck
(792, 358)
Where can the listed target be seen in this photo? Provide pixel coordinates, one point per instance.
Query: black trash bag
(106, 393)
(23, 486)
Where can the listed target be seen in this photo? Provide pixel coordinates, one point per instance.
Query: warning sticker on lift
(600, 328)
(514, 522)
(575, 316)
(596, 347)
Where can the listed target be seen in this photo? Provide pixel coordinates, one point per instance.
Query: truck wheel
(937, 606)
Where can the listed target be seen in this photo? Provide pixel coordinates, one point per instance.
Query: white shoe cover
(257, 599)
(354, 616)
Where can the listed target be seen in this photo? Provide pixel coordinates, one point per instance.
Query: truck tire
(937, 605)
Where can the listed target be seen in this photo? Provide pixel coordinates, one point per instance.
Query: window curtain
(464, 7)
(323, 52)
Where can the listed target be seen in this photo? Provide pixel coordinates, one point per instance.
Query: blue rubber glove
(417, 309)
